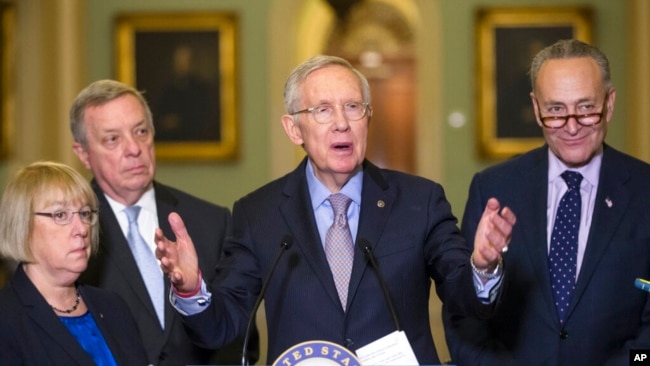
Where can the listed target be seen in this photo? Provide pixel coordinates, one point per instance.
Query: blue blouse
(90, 337)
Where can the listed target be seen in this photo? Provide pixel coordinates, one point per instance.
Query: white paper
(393, 349)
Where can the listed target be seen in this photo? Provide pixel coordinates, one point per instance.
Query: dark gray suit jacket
(607, 315)
(32, 334)
(407, 221)
(114, 268)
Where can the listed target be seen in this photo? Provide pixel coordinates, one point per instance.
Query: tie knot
(572, 179)
(340, 203)
(132, 213)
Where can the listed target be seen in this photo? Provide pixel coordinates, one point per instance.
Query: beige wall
(64, 44)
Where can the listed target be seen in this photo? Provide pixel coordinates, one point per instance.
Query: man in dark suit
(404, 220)
(113, 132)
(599, 315)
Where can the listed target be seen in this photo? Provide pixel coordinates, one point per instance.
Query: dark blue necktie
(563, 253)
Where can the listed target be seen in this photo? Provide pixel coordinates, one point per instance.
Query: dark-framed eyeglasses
(324, 113)
(64, 217)
(586, 120)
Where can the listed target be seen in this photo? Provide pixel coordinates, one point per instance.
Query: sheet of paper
(393, 349)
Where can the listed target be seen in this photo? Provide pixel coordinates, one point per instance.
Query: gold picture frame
(507, 40)
(186, 65)
(7, 56)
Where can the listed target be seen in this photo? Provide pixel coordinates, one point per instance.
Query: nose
(572, 125)
(133, 145)
(340, 120)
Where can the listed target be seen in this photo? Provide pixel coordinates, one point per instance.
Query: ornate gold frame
(579, 19)
(7, 22)
(225, 26)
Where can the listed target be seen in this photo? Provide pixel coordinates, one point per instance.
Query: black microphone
(367, 250)
(285, 244)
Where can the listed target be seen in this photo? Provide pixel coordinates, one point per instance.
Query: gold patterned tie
(339, 247)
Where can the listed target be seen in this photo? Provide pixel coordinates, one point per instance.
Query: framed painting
(7, 24)
(507, 41)
(186, 66)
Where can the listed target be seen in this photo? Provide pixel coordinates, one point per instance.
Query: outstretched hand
(178, 260)
(493, 235)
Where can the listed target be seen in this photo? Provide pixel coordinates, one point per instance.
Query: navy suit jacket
(407, 221)
(32, 334)
(114, 268)
(607, 315)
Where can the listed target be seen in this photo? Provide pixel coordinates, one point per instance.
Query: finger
(509, 216)
(491, 207)
(178, 226)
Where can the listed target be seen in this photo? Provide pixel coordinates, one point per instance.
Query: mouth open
(342, 146)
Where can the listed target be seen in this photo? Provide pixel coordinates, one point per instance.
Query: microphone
(642, 284)
(367, 250)
(285, 244)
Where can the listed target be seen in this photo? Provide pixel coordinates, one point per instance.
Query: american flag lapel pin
(608, 202)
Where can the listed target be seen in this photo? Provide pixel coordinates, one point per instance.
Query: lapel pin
(381, 203)
(608, 202)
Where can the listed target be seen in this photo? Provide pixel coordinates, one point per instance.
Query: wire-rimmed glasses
(64, 217)
(324, 113)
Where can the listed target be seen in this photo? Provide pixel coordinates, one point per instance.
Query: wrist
(191, 293)
(486, 273)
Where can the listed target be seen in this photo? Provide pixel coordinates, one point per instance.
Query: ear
(536, 109)
(82, 154)
(292, 129)
(611, 100)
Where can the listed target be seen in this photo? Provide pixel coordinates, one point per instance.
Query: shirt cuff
(487, 292)
(194, 304)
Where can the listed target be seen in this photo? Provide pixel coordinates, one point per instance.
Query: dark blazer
(32, 334)
(607, 316)
(414, 236)
(114, 268)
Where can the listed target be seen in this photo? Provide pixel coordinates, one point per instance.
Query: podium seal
(317, 353)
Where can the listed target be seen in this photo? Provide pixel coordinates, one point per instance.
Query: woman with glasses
(49, 226)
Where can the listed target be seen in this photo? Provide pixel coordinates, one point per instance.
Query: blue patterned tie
(147, 264)
(339, 247)
(563, 253)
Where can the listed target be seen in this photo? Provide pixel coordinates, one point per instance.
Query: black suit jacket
(607, 315)
(114, 268)
(407, 221)
(32, 334)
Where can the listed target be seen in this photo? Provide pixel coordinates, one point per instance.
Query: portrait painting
(508, 39)
(185, 66)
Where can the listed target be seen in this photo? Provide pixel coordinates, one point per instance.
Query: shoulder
(183, 200)
(389, 179)
(616, 158)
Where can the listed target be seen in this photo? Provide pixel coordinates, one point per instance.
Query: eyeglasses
(586, 120)
(324, 113)
(63, 217)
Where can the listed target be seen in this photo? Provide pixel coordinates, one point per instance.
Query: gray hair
(99, 93)
(301, 72)
(570, 48)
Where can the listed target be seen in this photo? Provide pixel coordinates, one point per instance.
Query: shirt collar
(319, 193)
(590, 172)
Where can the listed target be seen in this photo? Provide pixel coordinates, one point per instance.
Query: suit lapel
(377, 199)
(612, 200)
(41, 313)
(533, 209)
(166, 203)
(298, 214)
(116, 248)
